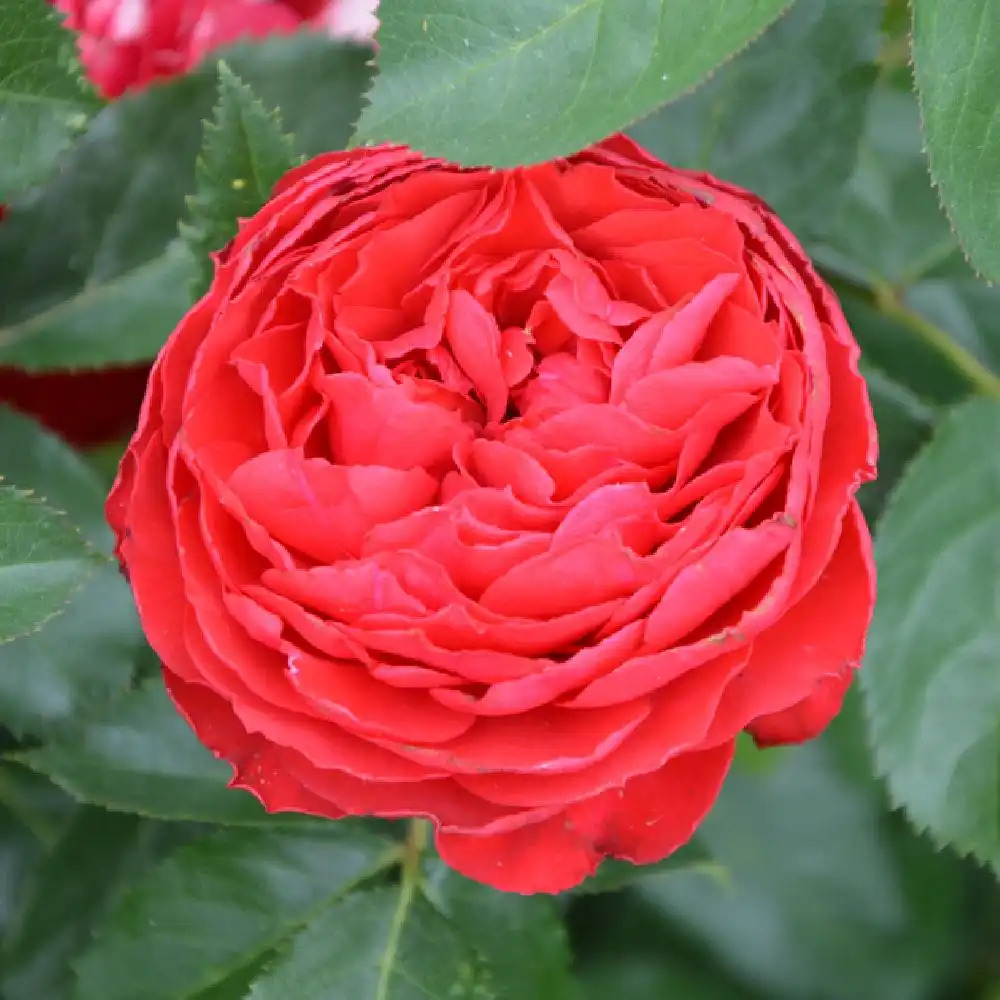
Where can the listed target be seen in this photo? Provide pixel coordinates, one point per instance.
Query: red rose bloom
(504, 498)
(129, 43)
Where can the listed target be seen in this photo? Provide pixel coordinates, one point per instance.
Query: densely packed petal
(504, 498)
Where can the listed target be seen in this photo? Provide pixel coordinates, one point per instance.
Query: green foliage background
(861, 867)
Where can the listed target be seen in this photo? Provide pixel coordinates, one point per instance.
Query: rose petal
(648, 820)
(817, 638)
(326, 510)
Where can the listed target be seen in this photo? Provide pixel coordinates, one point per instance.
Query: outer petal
(643, 822)
(810, 716)
(802, 663)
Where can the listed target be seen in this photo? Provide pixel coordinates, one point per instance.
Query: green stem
(417, 836)
(886, 300)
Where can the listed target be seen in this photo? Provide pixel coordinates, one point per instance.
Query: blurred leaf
(18, 850)
(896, 20)
(614, 874)
(39, 805)
(904, 424)
(931, 669)
(625, 948)
(653, 978)
(956, 58)
(140, 756)
(244, 153)
(785, 117)
(44, 102)
(43, 560)
(104, 460)
(816, 904)
(385, 944)
(32, 813)
(519, 81)
(889, 224)
(892, 348)
(520, 939)
(118, 320)
(70, 891)
(91, 271)
(85, 656)
(33, 458)
(967, 308)
(752, 759)
(57, 677)
(890, 239)
(219, 904)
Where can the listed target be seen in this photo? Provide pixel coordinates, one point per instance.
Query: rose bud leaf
(221, 904)
(245, 150)
(931, 672)
(44, 100)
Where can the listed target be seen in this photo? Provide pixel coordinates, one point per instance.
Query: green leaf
(118, 321)
(237, 985)
(956, 58)
(967, 308)
(140, 756)
(55, 677)
(614, 874)
(785, 117)
(220, 904)
(892, 348)
(888, 223)
(33, 458)
(71, 890)
(43, 560)
(386, 944)
(91, 270)
(18, 850)
(818, 902)
(890, 240)
(521, 940)
(44, 102)
(244, 153)
(38, 804)
(660, 977)
(931, 672)
(519, 81)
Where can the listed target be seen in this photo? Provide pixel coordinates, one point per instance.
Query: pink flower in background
(126, 44)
